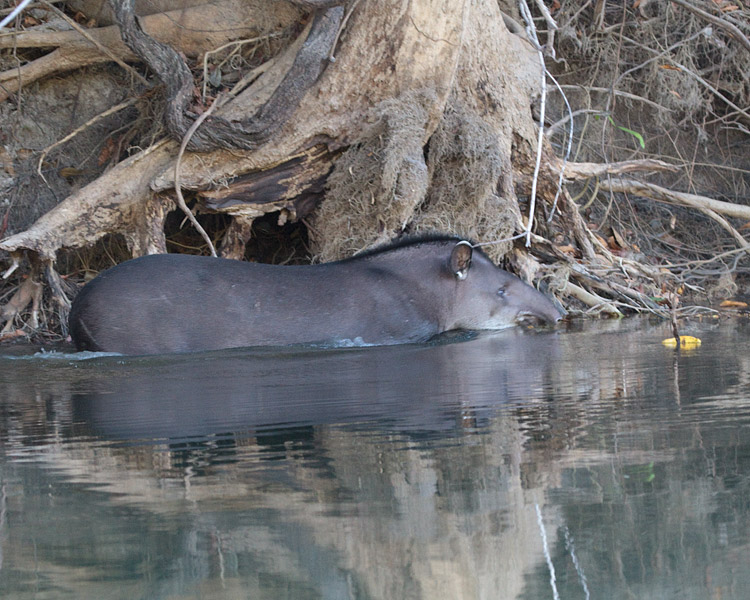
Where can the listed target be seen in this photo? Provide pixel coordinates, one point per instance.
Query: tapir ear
(461, 259)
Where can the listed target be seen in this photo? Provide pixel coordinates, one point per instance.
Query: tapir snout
(404, 292)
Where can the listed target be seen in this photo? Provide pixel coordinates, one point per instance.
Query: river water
(587, 463)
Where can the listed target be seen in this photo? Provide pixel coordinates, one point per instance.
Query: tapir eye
(501, 292)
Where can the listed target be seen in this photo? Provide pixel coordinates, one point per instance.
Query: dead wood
(708, 206)
(29, 292)
(294, 186)
(185, 30)
(117, 202)
(581, 170)
(657, 192)
(249, 132)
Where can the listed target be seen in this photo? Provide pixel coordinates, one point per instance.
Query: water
(592, 463)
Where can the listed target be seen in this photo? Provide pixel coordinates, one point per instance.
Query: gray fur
(406, 292)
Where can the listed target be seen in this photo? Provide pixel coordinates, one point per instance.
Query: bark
(246, 133)
(184, 30)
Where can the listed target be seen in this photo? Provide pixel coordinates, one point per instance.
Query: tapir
(406, 291)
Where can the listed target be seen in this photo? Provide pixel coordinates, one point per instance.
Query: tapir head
(489, 298)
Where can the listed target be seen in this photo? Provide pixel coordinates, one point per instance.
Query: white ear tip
(461, 275)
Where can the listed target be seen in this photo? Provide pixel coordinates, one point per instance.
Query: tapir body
(404, 292)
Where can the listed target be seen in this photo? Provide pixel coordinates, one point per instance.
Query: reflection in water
(590, 463)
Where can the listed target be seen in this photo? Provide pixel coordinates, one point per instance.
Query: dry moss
(465, 163)
(383, 186)
(378, 183)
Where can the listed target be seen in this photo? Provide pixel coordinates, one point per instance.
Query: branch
(584, 170)
(712, 208)
(218, 132)
(591, 300)
(731, 29)
(181, 29)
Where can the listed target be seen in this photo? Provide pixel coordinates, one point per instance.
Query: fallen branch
(592, 300)
(584, 170)
(184, 30)
(709, 206)
(102, 48)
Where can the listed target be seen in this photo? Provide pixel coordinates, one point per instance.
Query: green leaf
(635, 134)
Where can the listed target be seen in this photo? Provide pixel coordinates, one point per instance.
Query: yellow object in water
(688, 342)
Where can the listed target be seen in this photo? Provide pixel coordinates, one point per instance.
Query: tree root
(182, 29)
(597, 303)
(29, 292)
(252, 131)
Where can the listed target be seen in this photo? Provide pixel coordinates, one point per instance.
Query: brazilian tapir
(406, 291)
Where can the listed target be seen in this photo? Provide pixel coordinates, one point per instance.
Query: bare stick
(710, 207)
(731, 29)
(178, 165)
(627, 95)
(584, 170)
(103, 49)
(711, 88)
(591, 300)
(656, 192)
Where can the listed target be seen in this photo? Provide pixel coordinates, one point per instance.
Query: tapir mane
(408, 243)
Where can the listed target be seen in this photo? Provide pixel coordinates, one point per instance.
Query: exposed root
(382, 180)
(29, 292)
(183, 29)
(596, 303)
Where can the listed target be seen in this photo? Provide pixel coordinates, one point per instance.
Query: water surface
(588, 463)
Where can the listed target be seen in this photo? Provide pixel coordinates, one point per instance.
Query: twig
(710, 207)
(178, 165)
(732, 30)
(78, 130)
(716, 92)
(552, 129)
(622, 94)
(705, 261)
